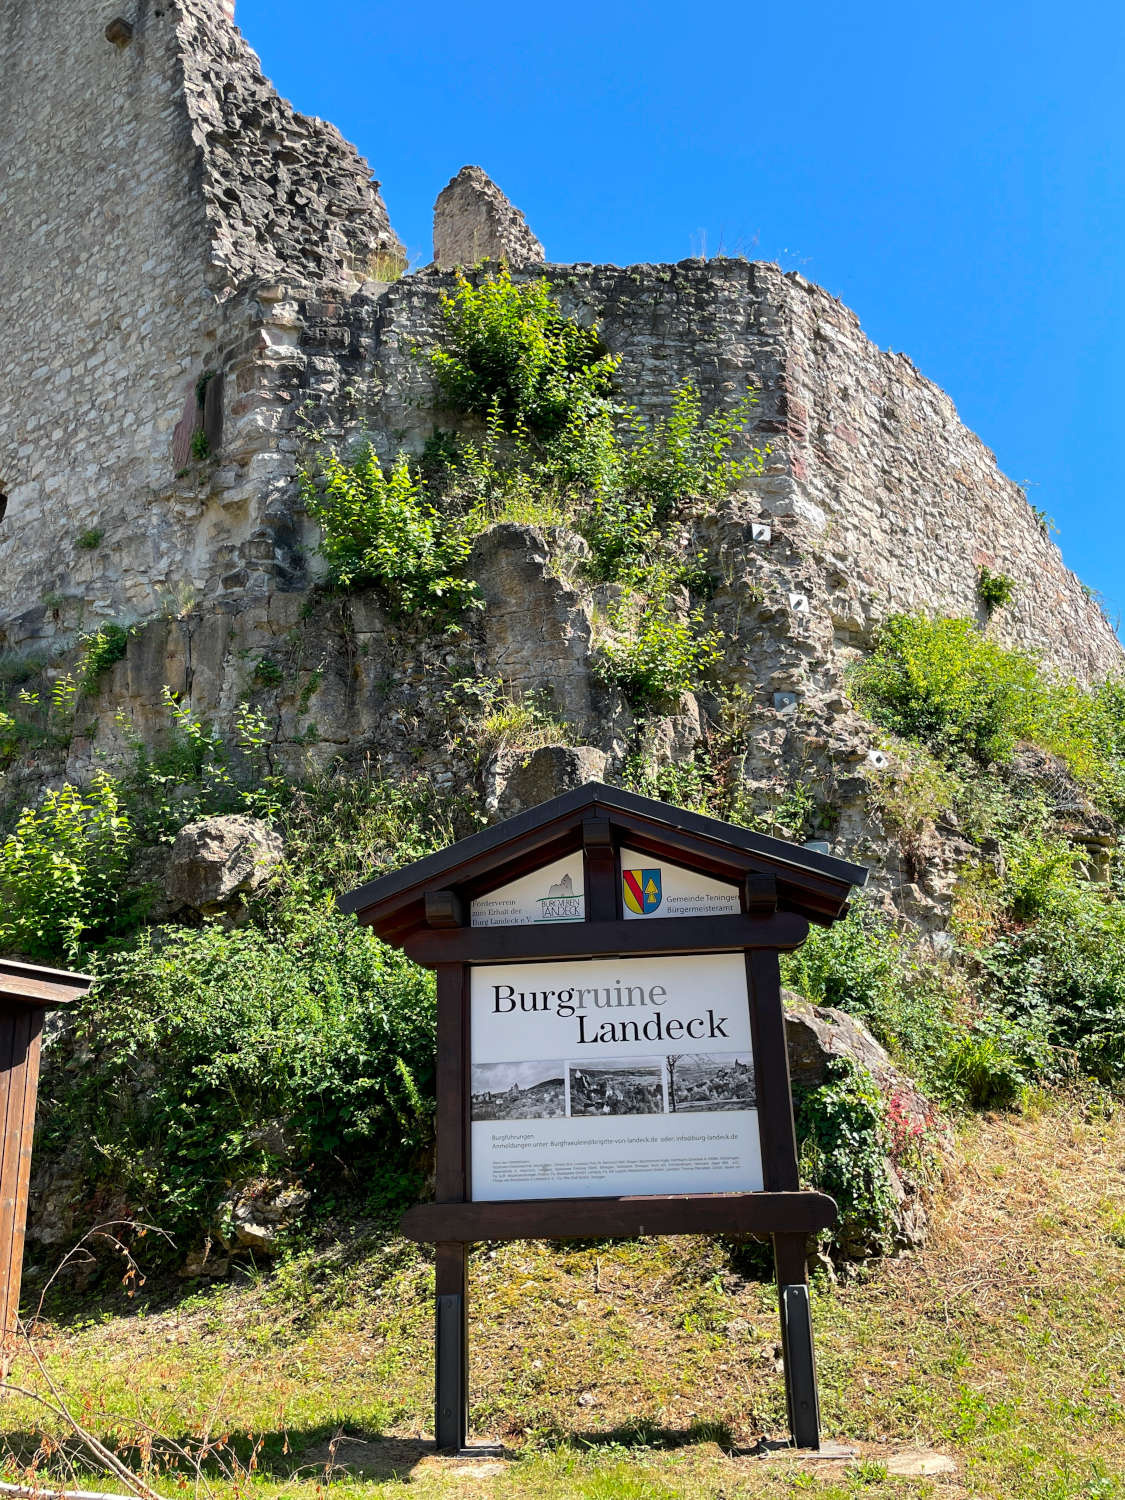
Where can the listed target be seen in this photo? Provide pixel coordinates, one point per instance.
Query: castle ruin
(195, 275)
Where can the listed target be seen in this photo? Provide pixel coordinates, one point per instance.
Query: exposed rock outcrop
(473, 221)
(517, 780)
(217, 862)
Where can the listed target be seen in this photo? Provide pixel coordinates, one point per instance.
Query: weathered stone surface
(516, 780)
(204, 1262)
(1040, 773)
(139, 185)
(255, 1216)
(537, 628)
(219, 860)
(148, 876)
(473, 221)
(816, 1033)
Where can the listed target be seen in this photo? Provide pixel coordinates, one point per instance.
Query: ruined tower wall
(165, 213)
(104, 292)
(141, 185)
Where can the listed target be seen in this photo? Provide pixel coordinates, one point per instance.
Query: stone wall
(106, 308)
(166, 214)
(868, 459)
(140, 184)
(285, 194)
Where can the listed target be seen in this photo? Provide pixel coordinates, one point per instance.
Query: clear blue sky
(955, 173)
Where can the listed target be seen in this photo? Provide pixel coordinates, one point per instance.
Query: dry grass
(649, 1369)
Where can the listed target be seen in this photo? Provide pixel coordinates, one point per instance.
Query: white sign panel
(651, 887)
(556, 893)
(612, 1077)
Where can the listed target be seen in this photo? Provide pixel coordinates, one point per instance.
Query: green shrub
(855, 965)
(686, 454)
(864, 967)
(90, 541)
(379, 529)
(983, 1068)
(100, 650)
(940, 681)
(342, 830)
(214, 1057)
(995, 589)
(661, 656)
(1061, 981)
(1038, 872)
(510, 349)
(61, 870)
(638, 479)
(10, 736)
(844, 1143)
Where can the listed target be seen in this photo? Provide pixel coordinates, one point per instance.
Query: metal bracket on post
(800, 1366)
(451, 1345)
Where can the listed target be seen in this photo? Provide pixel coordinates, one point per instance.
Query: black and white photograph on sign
(617, 1088)
(519, 1091)
(710, 1081)
(600, 1122)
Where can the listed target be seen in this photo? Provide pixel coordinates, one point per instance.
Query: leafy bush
(855, 965)
(379, 529)
(940, 681)
(685, 453)
(61, 870)
(943, 683)
(995, 589)
(342, 830)
(863, 966)
(844, 1143)
(214, 1057)
(662, 655)
(10, 736)
(1060, 981)
(983, 1068)
(193, 772)
(510, 349)
(100, 650)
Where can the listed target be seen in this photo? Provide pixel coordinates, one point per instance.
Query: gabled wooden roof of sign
(815, 885)
(28, 984)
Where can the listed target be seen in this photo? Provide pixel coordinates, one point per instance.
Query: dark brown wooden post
(451, 1292)
(601, 871)
(26, 993)
(779, 1173)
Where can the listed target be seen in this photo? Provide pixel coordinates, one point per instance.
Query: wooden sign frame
(425, 908)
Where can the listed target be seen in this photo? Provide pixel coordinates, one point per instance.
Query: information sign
(601, 1077)
(611, 1055)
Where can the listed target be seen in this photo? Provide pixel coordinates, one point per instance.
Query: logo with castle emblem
(560, 904)
(641, 890)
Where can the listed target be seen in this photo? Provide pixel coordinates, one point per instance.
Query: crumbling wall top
(474, 221)
(286, 195)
